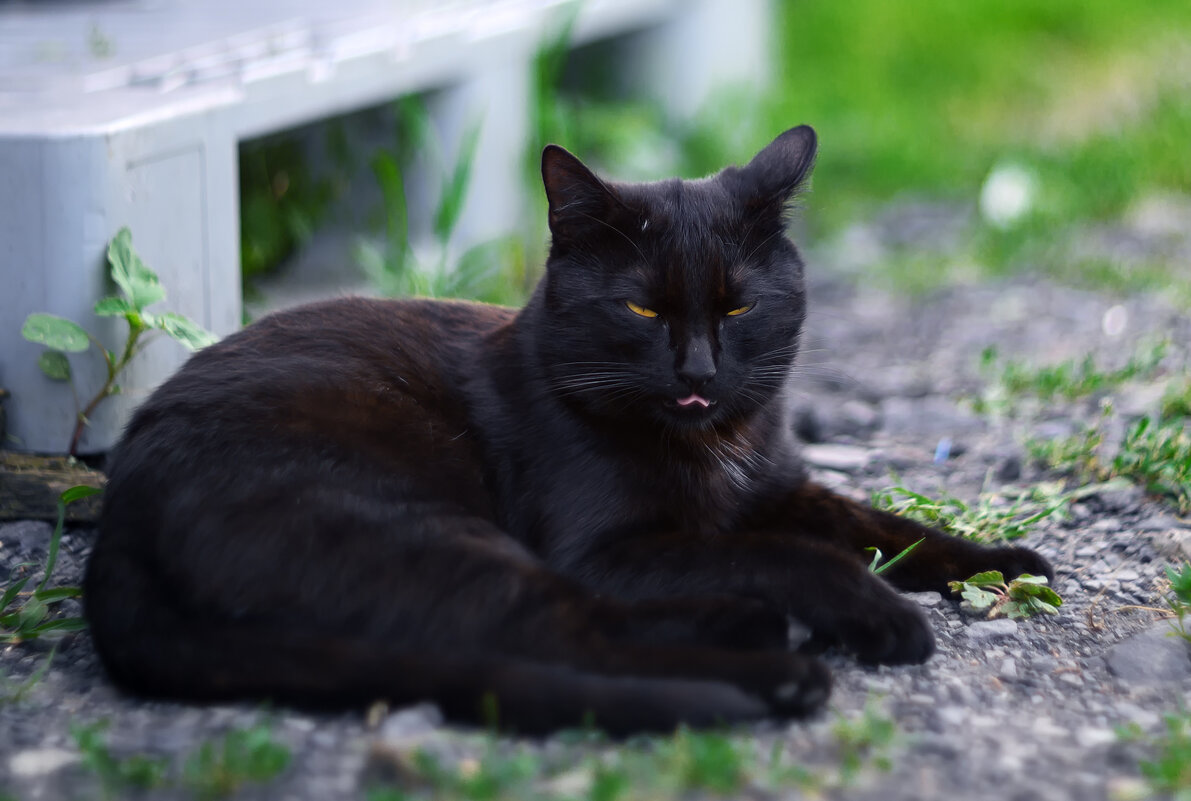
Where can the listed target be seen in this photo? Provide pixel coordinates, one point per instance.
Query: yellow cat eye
(641, 310)
(741, 310)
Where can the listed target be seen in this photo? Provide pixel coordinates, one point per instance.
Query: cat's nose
(697, 363)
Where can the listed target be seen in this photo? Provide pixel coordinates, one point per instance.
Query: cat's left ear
(777, 171)
(578, 199)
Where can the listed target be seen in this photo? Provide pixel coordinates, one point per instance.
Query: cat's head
(678, 302)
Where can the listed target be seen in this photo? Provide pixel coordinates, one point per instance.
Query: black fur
(441, 500)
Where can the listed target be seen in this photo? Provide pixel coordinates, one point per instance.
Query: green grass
(13, 691)
(685, 765)
(491, 271)
(242, 756)
(117, 775)
(1067, 380)
(215, 769)
(1156, 456)
(993, 517)
(927, 98)
(29, 614)
(1168, 773)
(1179, 598)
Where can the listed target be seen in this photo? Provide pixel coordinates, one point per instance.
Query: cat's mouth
(694, 401)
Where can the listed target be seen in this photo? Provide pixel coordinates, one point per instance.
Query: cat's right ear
(775, 173)
(578, 198)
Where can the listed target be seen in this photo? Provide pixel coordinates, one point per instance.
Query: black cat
(593, 506)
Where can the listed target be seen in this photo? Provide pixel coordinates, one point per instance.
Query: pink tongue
(694, 399)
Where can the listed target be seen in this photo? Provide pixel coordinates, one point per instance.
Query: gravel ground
(1005, 709)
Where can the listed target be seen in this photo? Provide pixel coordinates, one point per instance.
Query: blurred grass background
(959, 141)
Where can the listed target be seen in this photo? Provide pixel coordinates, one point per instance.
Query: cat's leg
(814, 511)
(449, 616)
(719, 621)
(825, 588)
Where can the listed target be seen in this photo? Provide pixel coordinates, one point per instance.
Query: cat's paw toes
(747, 624)
(805, 691)
(793, 685)
(1013, 561)
(895, 635)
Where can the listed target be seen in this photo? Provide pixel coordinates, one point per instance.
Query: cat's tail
(151, 649)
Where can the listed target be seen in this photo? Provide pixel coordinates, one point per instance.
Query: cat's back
(373, 383)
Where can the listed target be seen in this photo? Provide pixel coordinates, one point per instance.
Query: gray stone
(40, 761)
(1151, 657)
(933, 415)
(859, 414)
(929, 599)
(1009, 469)
(846, 458)
(987, 630)
(1174, 544)
(1158, 522)
(31, 536)
(1090, 737)
(410, 724)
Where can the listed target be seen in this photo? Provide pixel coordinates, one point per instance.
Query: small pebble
(985, 630)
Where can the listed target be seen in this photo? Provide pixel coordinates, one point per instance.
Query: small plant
(1168, 775)
(1176, 401)
(215, 770)
(12, 692)
(117, 776)
(1179, 598)
(703, 761)
(1066, 380)
(990, 518)
(26, 615)
(482, 272)
(1025, 596)
(241, 756)
(877, 567)
(1155, 455)
(139, 288)
(869, 739)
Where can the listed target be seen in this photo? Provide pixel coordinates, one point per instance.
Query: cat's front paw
(895, 634)
(793, 685)
(1013, 561)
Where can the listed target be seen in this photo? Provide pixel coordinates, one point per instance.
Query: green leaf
(454, 188)
(1037, 592)
(63, 625)
(987, 578)
(1026, 578)
(77, 493)
(54, 364)
(32, 613)
(67, 497)
(55, 332)
(182, 329)
(139, 284)
(11, 592)
(978, 598)
(904, 553)
(58, 594)
(114, 306)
